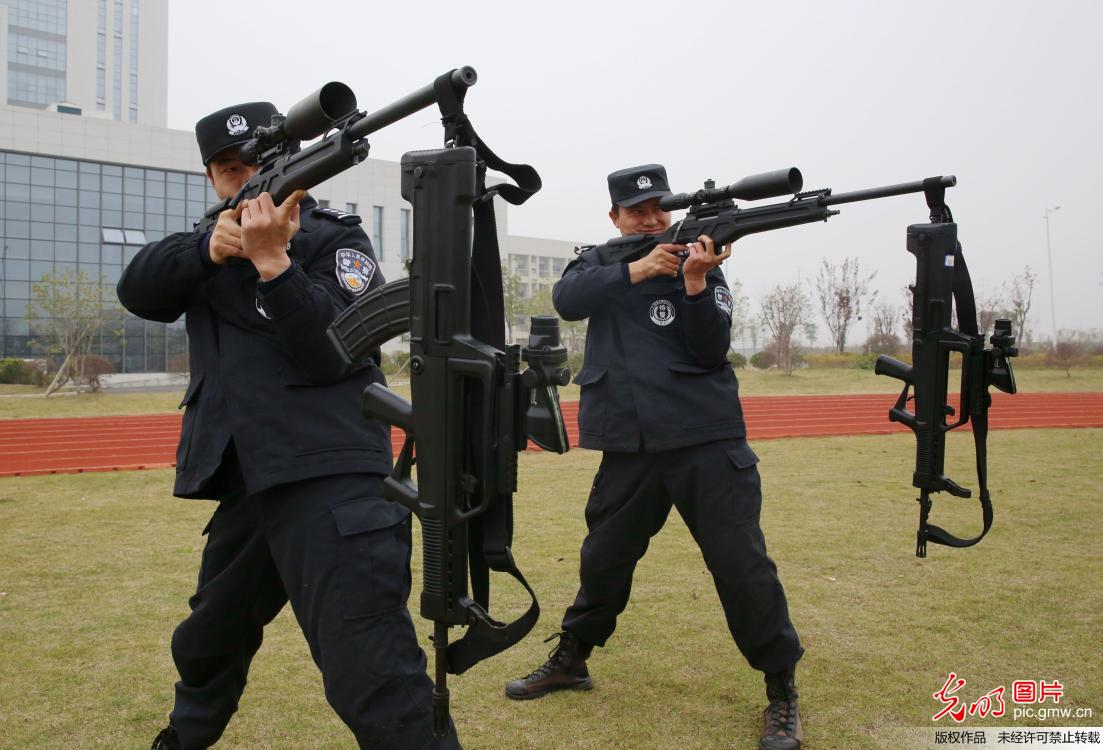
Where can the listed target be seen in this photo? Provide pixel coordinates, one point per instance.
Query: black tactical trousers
(717, 490)
(341, 554)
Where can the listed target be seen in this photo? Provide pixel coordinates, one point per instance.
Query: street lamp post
(1049, 260)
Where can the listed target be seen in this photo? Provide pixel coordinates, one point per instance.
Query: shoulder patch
(724, 300)
(337, 215)
(354, 270)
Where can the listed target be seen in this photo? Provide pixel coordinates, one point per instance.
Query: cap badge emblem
(236, 125)
(644, 182)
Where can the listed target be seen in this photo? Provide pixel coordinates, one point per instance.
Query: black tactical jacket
(655, 375)
(263, 372)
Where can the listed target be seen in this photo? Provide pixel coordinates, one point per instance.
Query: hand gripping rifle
(472, 406)
(942, 280)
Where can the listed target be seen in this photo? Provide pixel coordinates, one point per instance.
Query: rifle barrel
(460, 78)
(884, 192)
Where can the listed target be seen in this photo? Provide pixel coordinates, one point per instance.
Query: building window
(133, 61)
(323, 203)
(377, 230)
(101, 56)
(117, 59)
(404, 233)
(350, 208)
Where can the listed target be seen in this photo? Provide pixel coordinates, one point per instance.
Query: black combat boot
(781, 728)
(565, 669)
(166, 740)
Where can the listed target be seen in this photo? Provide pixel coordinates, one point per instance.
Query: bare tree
(990, 307)
(1073, 348)
(742, 324)
(69, 310)
(785, 309)
(841, 291)
(884, 340)
(906, 310)
(1020, 290)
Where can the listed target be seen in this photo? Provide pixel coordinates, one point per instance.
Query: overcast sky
(1007, 96)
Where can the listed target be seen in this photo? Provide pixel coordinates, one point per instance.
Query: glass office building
(75, 215)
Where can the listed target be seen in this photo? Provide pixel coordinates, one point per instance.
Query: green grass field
(95, 571)
(25, 402)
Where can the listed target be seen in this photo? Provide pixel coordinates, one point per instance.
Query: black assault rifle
(473, 408)
(942, 279)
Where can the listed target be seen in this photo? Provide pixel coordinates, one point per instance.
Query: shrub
(392, 364)
(16, 372)
(847, 361)
(92, 367)
(738, 361)
(764, 359)
(831, 361)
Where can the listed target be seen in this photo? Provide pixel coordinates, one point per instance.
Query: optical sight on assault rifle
(942, 280)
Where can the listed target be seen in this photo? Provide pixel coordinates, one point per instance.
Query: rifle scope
(306, 119)
(315, 114)
(755, 187)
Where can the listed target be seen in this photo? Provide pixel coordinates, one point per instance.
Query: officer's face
(228, 173)
(642, 218)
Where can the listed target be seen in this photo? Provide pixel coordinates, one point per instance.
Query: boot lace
(555, 657)
(781, 717)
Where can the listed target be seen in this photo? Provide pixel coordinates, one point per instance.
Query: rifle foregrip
(387, 406)
(894, 368)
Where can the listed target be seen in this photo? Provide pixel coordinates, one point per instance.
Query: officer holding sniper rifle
(661, 401)
(273, 433)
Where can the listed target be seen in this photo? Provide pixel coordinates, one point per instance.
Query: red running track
(60, 446)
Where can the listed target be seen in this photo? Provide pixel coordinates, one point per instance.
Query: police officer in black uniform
(273, 431)
(661, 401)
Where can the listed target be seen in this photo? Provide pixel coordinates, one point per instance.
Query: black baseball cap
(633, 185)
(232, 126)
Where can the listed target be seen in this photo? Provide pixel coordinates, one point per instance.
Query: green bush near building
(18, 372)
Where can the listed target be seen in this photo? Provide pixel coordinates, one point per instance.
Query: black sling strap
(490, 533)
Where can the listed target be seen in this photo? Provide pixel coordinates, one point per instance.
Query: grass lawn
(20, 402)
(95, 571)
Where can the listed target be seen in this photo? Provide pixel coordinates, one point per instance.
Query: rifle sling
(976, 391)
(459, 131)
(490, 534)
